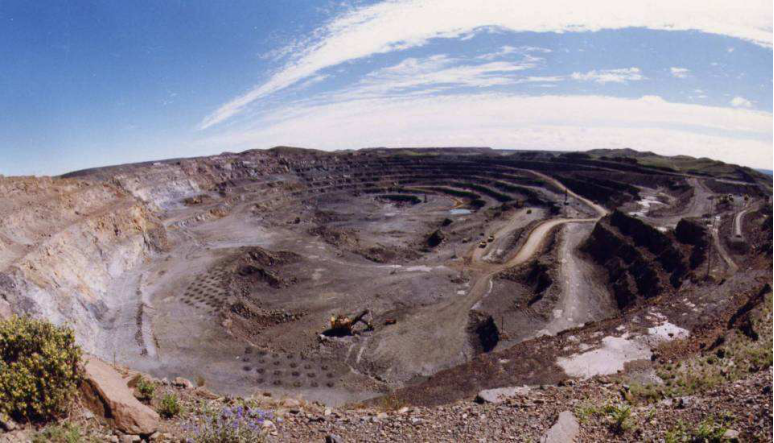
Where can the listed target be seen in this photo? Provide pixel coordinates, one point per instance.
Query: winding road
(738, 222)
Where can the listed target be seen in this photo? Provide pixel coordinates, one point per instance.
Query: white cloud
(444, 72)
(740, 102)
(312, 81)
(508, 121)
(679, 72)
(508, 50)
(609, 75)
(401, 24)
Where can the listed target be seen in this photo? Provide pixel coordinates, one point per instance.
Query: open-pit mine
(425, 274)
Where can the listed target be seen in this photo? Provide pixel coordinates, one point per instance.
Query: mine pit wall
(163, 186)
(64, 242)
(66, 278)
(641, 262)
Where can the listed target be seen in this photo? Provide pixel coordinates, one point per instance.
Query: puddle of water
(459, 211)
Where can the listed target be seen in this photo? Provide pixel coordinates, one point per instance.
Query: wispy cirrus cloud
(508, 50)
(679, 72)
(603, 76)
(397, 25)
(444, 71)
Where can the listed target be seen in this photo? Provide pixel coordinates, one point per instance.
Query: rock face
(499, 395)
(641, 261)
(100, 229)
(108, 395)
(565, 430)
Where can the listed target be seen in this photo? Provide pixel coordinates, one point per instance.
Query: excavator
(342, 325)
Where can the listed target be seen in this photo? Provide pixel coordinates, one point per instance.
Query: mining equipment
(344, 325)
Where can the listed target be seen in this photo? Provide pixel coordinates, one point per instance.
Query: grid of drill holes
(207, 292)
(288, 370)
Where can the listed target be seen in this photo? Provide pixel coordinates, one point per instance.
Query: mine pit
(250, 279)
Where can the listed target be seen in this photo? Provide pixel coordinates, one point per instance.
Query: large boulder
(108, 395)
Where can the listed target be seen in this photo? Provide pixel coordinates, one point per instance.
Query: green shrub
(709, 431)
(170, 406)
(146, 389)
(619, 417)
(39, 368)
(66, 433)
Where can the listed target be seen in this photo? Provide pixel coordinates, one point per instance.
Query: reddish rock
(108, 395)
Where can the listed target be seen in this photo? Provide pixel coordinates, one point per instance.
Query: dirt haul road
(738, 221)
(442, 340)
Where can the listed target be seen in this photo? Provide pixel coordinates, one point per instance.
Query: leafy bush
(237, 424)
(146, 389)
(170, 406)
(39, 368)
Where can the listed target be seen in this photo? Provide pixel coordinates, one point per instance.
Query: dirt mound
(340, 238)
(253, 266)
(261, 257)
(246, 321)
(197, 200)
(382, 254)
(261, 275)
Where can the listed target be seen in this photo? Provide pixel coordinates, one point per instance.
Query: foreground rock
(565, 429)
(107, 394)
(500, 395)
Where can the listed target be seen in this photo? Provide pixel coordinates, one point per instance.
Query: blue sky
(86, 84)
